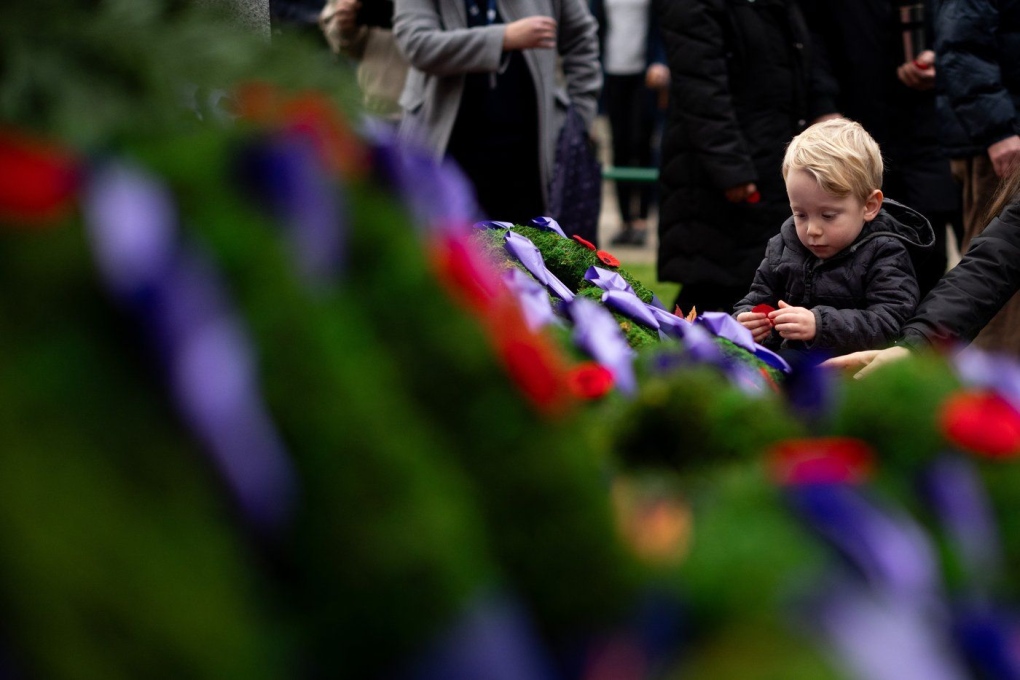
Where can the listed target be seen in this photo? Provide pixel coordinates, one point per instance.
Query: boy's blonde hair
(840, 155)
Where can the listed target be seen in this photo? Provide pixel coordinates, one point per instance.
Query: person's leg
(618, 110)
(644, 134)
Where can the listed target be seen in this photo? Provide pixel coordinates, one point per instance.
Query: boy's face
(826, 224)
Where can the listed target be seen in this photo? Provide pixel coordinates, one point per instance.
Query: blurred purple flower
(492, 640)
(131, 222)
(954, 491)
(437, 193)
(285, 173)
(996, 372)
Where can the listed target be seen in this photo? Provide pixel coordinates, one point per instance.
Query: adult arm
(967, 53)
(967, 297)
(431, 48)
(891, 295)
(578, 45)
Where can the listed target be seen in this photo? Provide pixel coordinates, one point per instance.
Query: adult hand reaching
(868, 361)
(530, 33)
(1004, 154)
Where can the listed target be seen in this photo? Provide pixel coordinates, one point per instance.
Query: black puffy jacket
(973, 291)
(977, 60)
(861, 296)
(741, 89)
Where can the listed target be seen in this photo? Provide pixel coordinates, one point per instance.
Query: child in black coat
(838, 276)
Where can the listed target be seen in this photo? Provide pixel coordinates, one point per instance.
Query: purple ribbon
(630, 305)
(548, 224)
(492, 224)
(725, 326)
(132, 223)
(533, 299)
(598, 334)
(771, 358)
(528, 254)
(607, 280)
(669, 323)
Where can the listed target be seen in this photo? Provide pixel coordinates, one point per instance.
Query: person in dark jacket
(977, 55)
(969, 295)
(879, 52)
(743, 83)
(839, 270)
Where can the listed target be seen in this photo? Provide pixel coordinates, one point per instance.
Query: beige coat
(434, 37)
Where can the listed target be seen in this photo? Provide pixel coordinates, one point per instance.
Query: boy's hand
(757, 323)
(794, 323)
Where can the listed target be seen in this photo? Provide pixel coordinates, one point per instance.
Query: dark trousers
(709, 297)
(506, 179)
(630, 107)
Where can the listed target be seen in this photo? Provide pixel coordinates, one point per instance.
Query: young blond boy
(838, 275)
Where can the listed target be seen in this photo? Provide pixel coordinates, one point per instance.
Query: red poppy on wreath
(584, 242)
(590, 380)
(37, 181)
(983, 423)
(826, 460)
(607, 259)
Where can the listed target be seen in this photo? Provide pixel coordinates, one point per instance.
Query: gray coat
(860, 297)
(434, 37)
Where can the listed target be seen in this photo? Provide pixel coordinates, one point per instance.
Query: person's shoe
(625, 237)
(638, 237)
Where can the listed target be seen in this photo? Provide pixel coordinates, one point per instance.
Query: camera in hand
(911, 13)
(375, 13)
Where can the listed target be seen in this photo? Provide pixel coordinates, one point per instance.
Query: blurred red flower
(37, 181)
(825, 460)
(584, 242)
(983, 423)
(590, 380)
